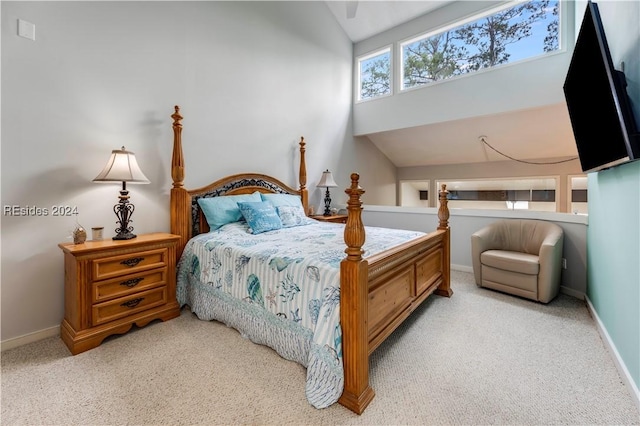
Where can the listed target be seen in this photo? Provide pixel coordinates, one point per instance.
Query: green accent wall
(613, 258)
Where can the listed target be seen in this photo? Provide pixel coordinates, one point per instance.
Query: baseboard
(29, 338)
(617, 360)
(571, 292)
(462, 268)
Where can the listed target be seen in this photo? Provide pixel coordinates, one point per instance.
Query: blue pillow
(261, 216)
(282, 199)
(222, 210)
(293, 216)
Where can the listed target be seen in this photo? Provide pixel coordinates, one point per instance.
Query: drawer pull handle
(132, 262)
(132, 282)
(132, 303)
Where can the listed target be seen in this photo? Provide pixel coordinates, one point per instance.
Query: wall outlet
(564, 263)
(26, 29)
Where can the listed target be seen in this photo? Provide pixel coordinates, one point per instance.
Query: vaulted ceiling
(363, 19)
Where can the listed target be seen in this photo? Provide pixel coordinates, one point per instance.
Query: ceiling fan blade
(352, 7)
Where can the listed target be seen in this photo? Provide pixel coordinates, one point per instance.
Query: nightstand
(335, 218)
(111, 285)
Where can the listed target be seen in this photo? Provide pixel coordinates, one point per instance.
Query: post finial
(176, 116)
(177, 159)
(443, 211)
(354, 234)
(303, 166)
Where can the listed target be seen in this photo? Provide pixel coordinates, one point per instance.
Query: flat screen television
(599, 108)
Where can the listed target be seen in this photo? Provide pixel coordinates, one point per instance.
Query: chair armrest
(550, 258)
(481, 241)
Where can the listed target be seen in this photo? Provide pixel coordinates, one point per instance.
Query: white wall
(251, 78)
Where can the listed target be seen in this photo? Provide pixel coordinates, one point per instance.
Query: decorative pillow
(282, 199)
(261, 216)
(222, 210)
(293, 216)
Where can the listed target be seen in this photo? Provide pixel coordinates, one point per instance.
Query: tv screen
(599, 108)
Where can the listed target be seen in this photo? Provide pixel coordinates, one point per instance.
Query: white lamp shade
(326, 181)
(122, 167)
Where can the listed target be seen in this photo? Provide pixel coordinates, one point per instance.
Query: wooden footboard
(376, 294)
(379, 293)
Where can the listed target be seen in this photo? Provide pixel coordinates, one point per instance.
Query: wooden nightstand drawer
(109, 267)
(125, 306)
(112, 285)
(128, 284)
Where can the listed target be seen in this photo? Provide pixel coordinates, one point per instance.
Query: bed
(318, 293)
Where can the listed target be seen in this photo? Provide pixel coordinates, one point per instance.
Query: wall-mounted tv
(599, 108)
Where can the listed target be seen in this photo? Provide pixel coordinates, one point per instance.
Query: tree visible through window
(375, 74)
(522, 31)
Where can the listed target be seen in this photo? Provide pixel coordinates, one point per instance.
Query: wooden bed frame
(376, 294)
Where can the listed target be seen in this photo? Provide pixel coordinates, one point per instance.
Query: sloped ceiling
(525, 135)
(533, 134)
(363, 19)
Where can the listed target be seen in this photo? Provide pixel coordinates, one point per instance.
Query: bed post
(444, 289)
(304, 193)
(357, 393)
(180, 198)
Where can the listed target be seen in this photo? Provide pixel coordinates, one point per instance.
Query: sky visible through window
(375, 75)
(518, 32)
(534, 44)
(521, 31)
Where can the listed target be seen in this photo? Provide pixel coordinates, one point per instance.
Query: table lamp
(122, 167)
(326, 181)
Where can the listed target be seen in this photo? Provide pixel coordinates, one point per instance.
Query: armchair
(522, 257)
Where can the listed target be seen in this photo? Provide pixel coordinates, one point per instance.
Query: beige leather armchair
(519, 256)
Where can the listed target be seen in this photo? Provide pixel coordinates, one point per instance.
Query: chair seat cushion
(522, 263)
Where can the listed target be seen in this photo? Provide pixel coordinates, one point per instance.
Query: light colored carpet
(480, 357)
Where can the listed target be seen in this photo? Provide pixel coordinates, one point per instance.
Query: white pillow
(293, 216)
(282, 199)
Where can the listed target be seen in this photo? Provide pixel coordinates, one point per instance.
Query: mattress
(281, 289)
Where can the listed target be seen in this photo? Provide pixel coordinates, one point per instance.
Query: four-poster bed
(377, 290)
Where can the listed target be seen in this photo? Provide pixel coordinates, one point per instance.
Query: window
(374, 74)
(579, 197)
(414, 193)
(507, 35)
(538, 194)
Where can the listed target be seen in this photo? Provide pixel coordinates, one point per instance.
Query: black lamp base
(327, 204)
(125, 236)
(123, 210)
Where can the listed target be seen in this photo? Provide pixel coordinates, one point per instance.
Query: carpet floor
(480, 357)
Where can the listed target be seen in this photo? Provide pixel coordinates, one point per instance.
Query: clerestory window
(374, 74)
(500, 36)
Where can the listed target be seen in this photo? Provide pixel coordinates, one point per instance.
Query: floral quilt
(279, 288)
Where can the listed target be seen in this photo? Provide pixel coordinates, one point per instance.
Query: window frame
(562, 45)
(504, 182)
(403, 184)
(358, 73)
(570, 184)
